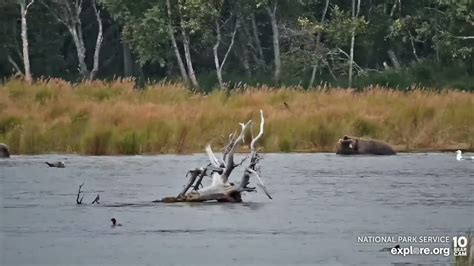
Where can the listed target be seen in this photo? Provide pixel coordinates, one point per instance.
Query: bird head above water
(458, 155)
(114, 222)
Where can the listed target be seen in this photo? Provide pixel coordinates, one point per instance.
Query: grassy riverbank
(113, 118)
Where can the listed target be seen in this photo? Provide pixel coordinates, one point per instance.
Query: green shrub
(97, 142)
(8, 123)
(130, 143)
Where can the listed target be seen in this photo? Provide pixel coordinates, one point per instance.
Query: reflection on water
(322, 203)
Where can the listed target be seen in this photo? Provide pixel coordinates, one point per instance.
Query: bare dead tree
(68, 13)
(221, 189)
(79, 192)
(220, 65)
(80, 196)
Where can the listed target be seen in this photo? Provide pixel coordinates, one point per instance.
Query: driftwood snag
(80, 196)
(79, 192)
(221, 189)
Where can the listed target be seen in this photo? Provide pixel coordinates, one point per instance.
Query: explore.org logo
(418, 245)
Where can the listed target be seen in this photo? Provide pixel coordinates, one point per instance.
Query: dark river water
(321, 204)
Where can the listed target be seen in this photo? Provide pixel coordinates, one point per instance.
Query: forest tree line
(226, 43)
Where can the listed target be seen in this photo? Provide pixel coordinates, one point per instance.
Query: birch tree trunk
(351, 60)
(271, 11)
(24, 6)
(220, 65)
(182, 69)
(189, 62)
(313, 75)
(258, 45)
(76, 33)
(187, 51)
(68, 12)
(127, 60)
(98, 44)
(318, 41)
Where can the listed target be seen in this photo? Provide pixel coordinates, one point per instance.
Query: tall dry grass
(113, 118)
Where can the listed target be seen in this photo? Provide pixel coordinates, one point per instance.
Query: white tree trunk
(276, 43)
(127, 60)
(313, 75)
(216, 55)
(98, 44)
(76, 33)
(24, 38)
(187, 51)
(189, 62)
(220, 65)
(68, 13)
(351, 60)
(258, 45)
(318, 41)
(182, 69)
(393, 58)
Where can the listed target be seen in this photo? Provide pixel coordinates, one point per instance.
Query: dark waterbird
(388, 249)
(59, 164)
(114, 222)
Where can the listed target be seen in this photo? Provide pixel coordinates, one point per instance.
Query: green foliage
(363, 127)
(285, 145)
(8, 123)
(97, 142)
(341, 26)
(43, 95)
(130, 143)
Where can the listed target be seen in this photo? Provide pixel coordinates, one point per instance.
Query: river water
(321, 204)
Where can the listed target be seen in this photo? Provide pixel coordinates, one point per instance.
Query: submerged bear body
(4, 152)
(353, 146)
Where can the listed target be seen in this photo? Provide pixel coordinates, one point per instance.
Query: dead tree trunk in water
(220, 170)
(79, 192)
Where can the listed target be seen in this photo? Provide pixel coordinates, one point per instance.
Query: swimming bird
(96, 200)
(389, 249)
(114, 222)
(459, 156)
(59, 164)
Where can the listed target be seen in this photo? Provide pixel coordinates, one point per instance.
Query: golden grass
(113, 118)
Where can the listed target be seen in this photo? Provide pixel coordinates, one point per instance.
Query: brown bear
(4, 152)
(354, 145)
